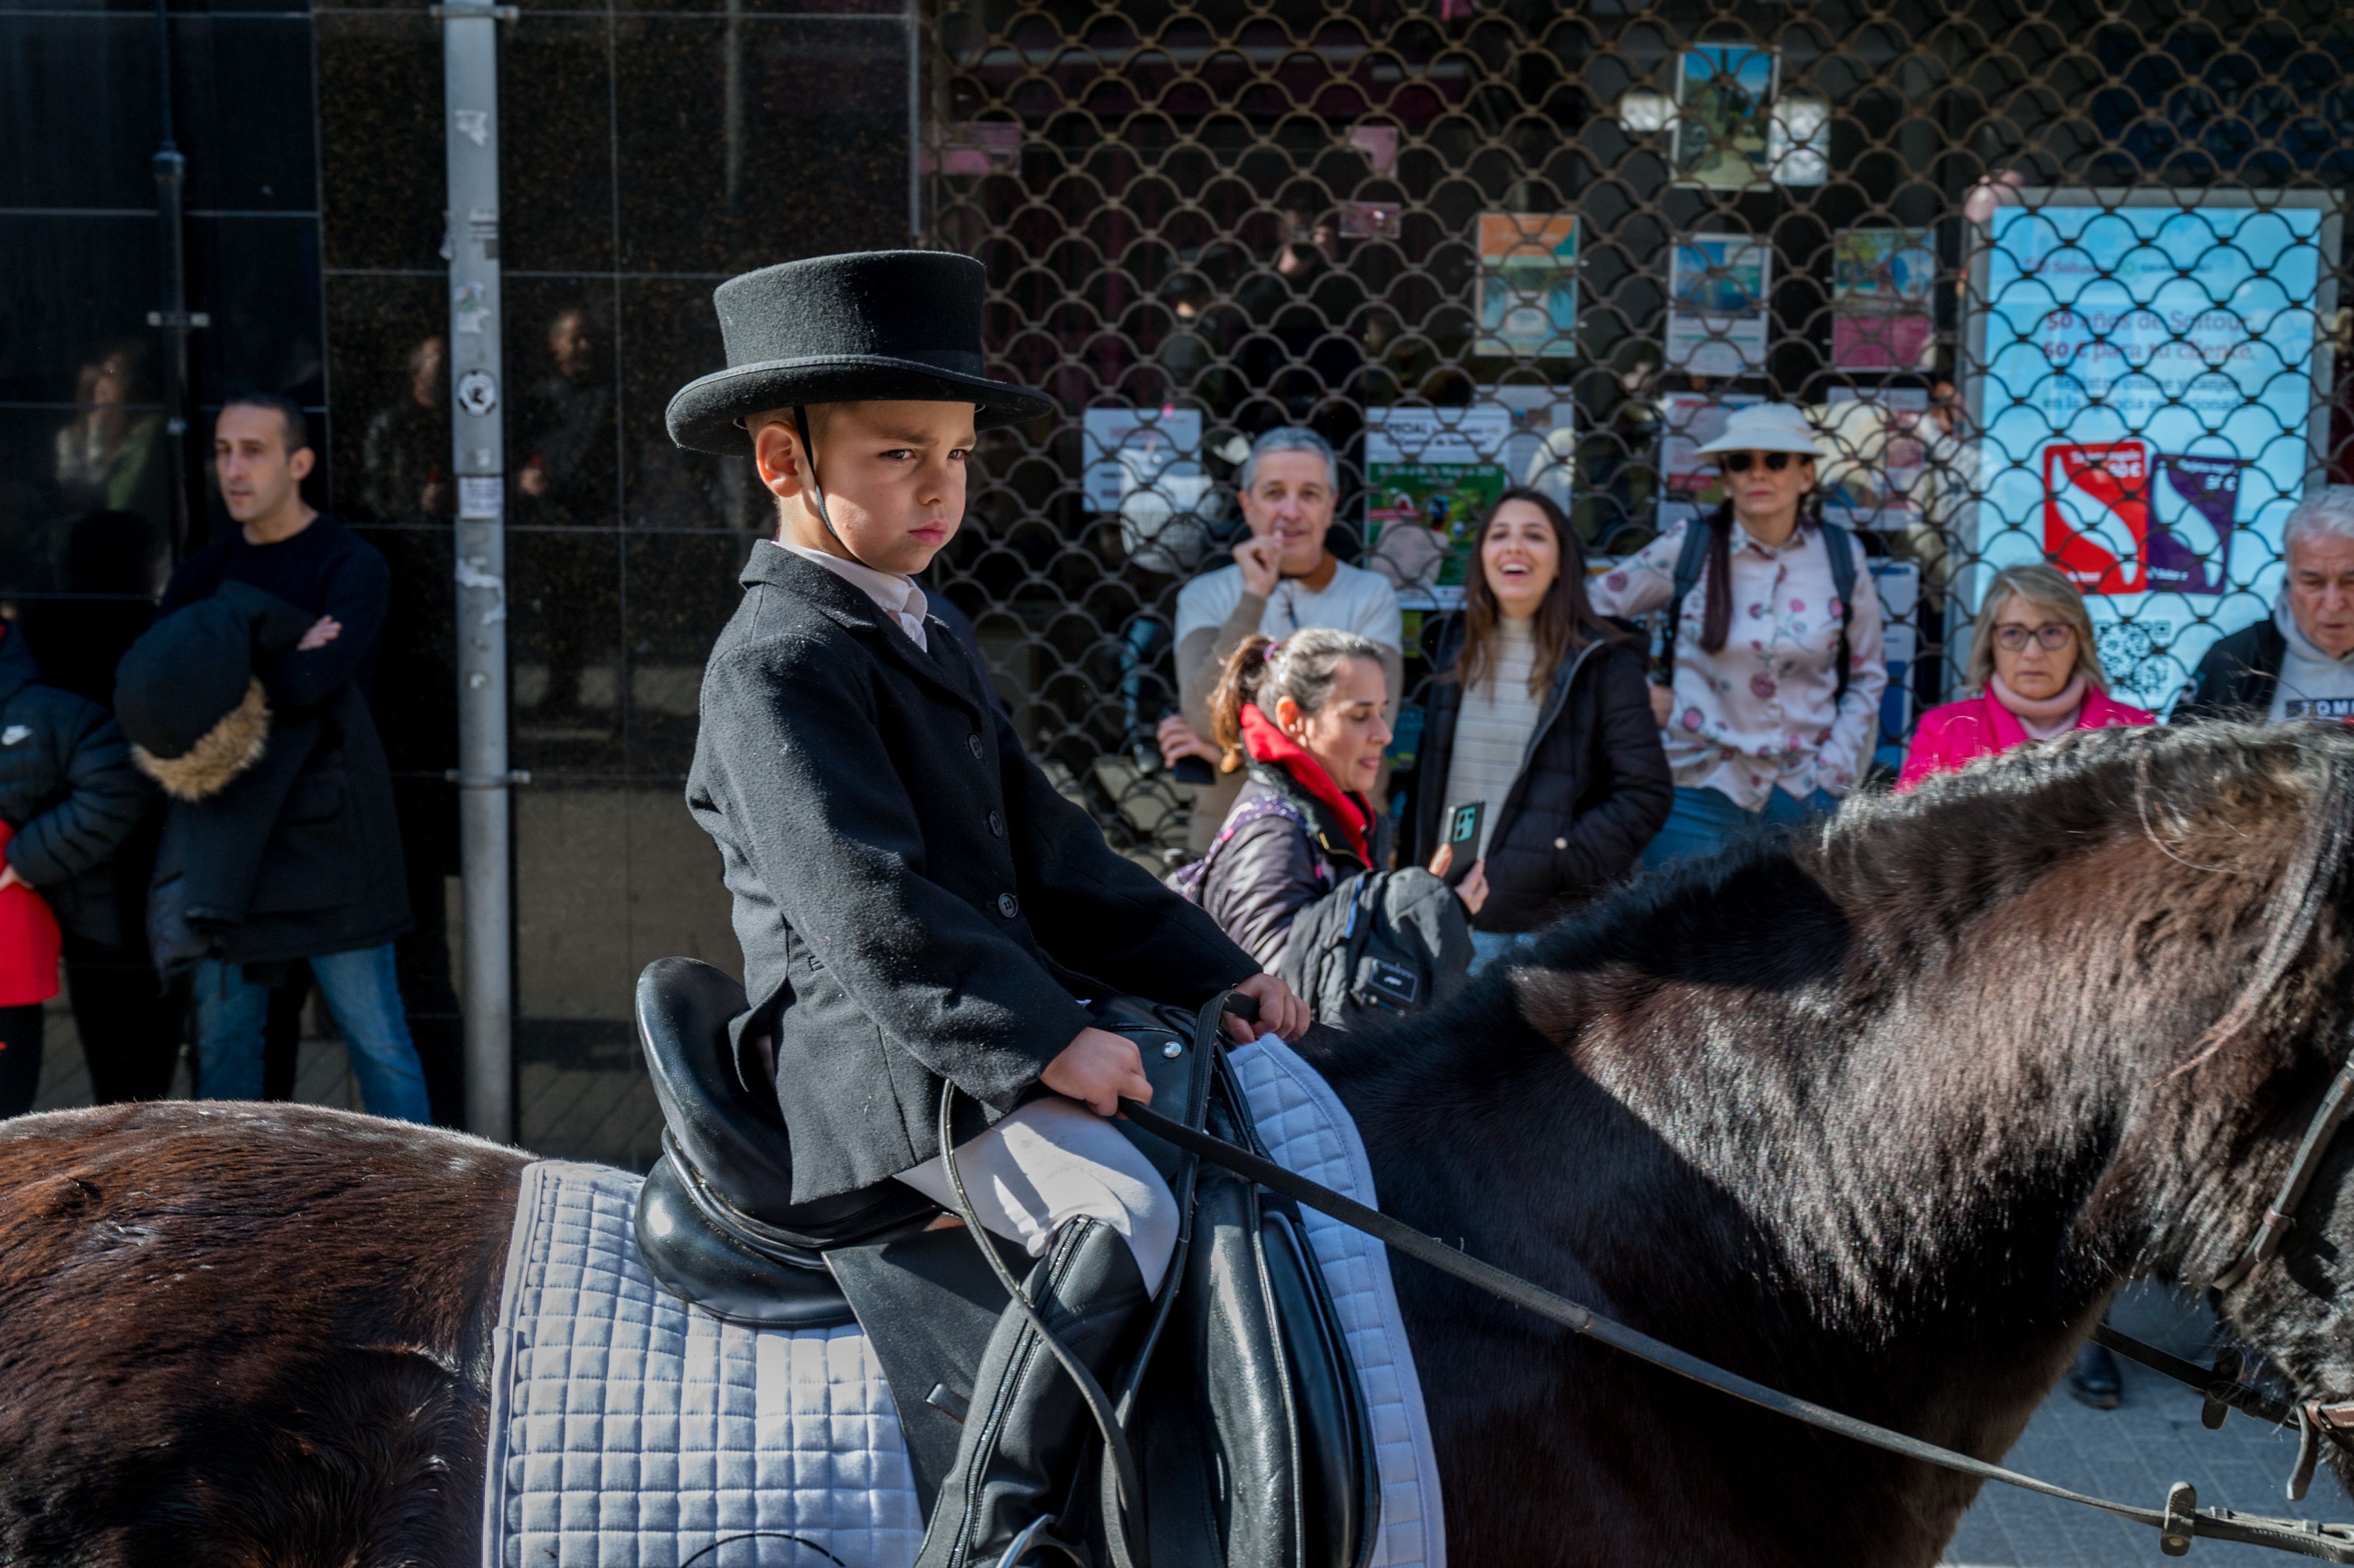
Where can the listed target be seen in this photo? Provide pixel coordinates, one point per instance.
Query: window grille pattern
(2055, 278)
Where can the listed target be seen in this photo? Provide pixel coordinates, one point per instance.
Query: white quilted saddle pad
(629, 1431)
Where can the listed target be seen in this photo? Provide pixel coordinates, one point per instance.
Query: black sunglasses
(1738, 462)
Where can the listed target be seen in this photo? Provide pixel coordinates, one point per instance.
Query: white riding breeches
(1053, 1159)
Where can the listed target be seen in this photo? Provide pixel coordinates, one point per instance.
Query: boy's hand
(1100, 1068)
(1280, 1012)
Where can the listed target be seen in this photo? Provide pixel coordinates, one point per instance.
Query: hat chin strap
(817, 491)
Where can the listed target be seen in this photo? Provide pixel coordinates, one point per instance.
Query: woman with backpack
(1302, 841)
(1774, 637)
(1540, 712)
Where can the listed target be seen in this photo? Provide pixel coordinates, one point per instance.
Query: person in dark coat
(918, 908)
(2298, 661)
(248, 701)
(129, 1021)
(1539, 710)
(69, 798)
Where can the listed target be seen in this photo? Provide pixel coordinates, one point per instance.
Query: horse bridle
(2315, 1419)
(2179, 1522)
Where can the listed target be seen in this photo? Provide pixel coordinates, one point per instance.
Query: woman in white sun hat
(1778, 657)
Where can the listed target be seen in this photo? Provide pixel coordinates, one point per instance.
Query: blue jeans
(1701, 820)
(361, 993)
(1487, 947)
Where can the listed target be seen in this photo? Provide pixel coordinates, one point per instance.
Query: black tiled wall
(649, 150)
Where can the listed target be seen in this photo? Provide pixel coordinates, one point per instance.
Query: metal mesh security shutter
(2056, 278)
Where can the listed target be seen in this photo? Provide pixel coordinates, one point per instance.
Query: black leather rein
(2178, 1521)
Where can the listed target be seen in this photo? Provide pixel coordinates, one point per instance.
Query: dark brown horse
(1881, 1114)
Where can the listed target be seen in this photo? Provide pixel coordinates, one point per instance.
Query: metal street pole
(470, 84)
(171, 169)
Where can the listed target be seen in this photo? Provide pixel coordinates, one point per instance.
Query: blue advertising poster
(2150, 372)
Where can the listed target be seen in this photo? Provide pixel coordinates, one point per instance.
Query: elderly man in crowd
(2298, 662)
(1283, 581)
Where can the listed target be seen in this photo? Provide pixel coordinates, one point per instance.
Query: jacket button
(972, 743)
(1561, 843)
(996, 825)
(1008, 906)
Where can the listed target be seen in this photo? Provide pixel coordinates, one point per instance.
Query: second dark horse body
(1881, 1115)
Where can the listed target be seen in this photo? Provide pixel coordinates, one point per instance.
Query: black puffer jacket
(1593, 788)
(293, 855)
(2238, 676)
(1259, 880)
(69, 791)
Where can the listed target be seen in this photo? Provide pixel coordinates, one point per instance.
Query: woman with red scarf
(1310, 716)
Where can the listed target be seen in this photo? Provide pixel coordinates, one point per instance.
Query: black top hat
(840, 329)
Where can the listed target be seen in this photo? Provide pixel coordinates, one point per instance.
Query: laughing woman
(1540, 711)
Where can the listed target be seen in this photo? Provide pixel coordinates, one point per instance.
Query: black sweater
(326, 569)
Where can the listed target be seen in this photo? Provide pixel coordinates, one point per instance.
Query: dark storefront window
(1479, 242)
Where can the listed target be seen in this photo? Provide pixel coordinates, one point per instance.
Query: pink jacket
(1960, 733)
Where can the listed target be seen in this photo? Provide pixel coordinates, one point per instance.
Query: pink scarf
(2043, 718)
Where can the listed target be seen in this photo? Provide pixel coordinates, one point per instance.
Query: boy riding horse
(915, 901)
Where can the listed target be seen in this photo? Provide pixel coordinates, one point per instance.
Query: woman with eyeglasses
(2034, 672)
(1775, 649)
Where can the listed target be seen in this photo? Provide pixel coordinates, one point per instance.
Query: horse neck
(1876, 1195)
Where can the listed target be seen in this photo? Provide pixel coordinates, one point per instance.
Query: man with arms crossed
(916, 904)
(337, 898)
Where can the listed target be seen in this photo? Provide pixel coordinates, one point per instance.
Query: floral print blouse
(1760, 713)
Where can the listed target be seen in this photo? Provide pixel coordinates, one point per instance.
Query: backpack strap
(1840, 543)
(1689, 561)
(1188, 881)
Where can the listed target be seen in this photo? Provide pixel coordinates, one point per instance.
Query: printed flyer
(1528, 285)
(1877, 453)
(1716, 304)
(2149, 384)
(1431, 474)
(1724, 101)
(1882, 313)
(1145, 465)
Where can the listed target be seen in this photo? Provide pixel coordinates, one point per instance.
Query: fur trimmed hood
(219, 754)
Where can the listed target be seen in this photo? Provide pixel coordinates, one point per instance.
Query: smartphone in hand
(1463, 825)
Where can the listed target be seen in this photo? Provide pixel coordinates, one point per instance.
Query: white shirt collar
(894, 594)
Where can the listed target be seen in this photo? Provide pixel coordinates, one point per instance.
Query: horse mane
(1917, 958)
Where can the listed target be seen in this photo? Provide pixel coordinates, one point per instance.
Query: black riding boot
(1028, 1424)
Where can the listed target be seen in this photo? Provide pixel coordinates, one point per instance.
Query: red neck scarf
(1267, 744)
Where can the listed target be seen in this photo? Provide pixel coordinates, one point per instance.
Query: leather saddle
(1242, 1407)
